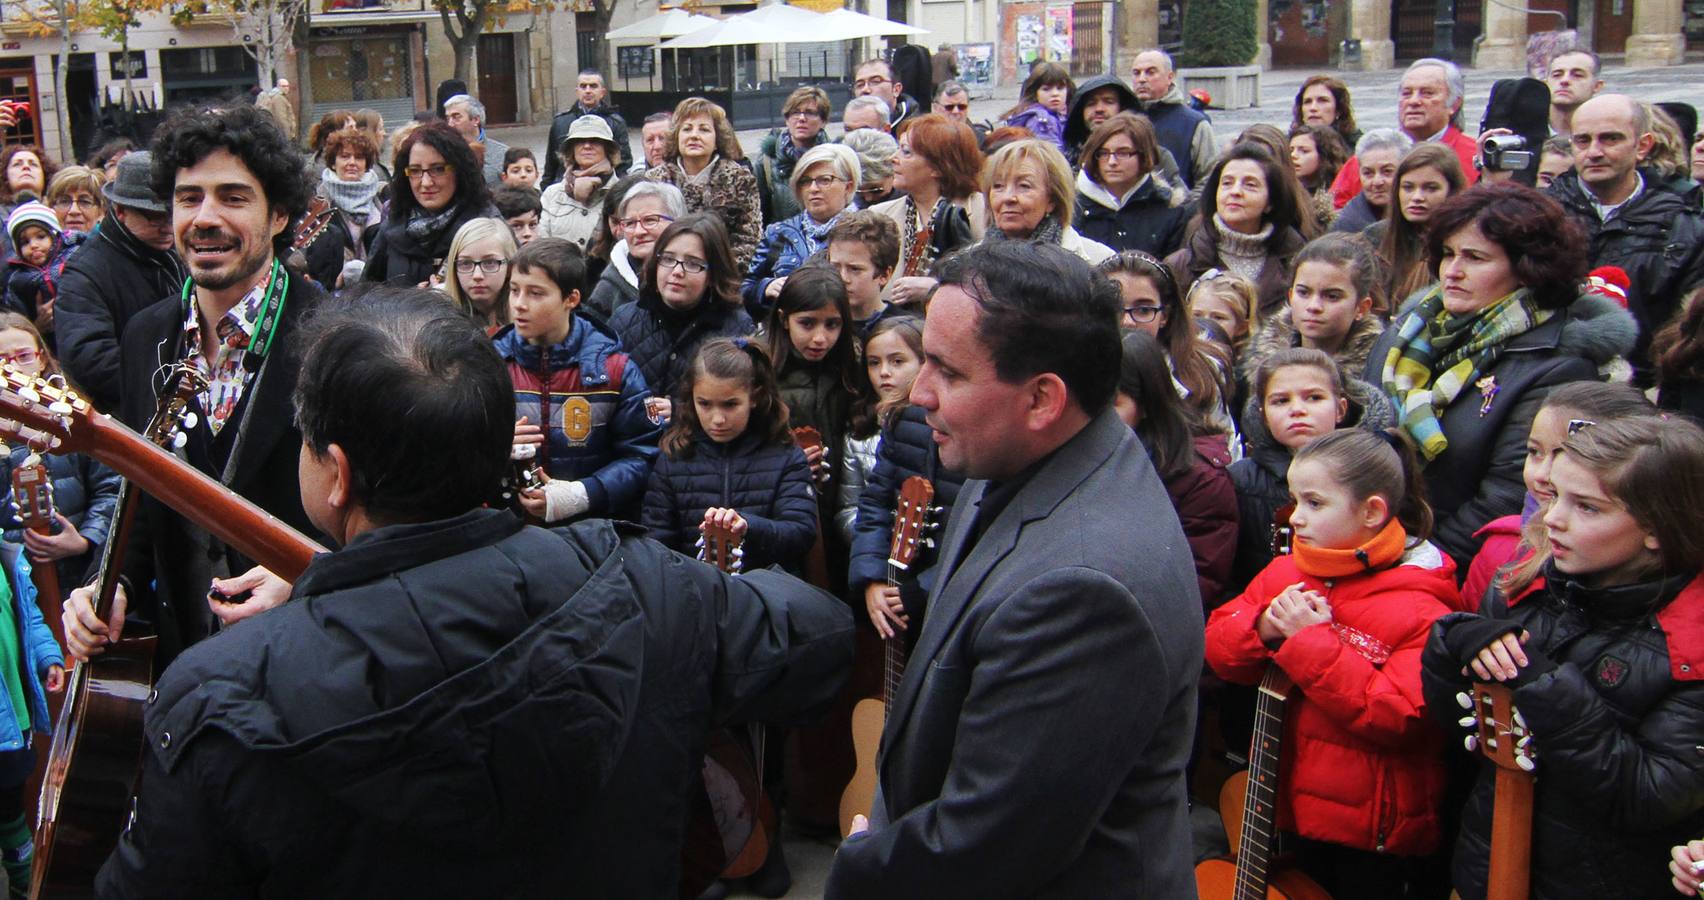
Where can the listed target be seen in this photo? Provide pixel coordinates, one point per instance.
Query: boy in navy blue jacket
(580, 403)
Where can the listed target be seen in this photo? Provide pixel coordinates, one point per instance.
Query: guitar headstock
(911, 521)
(1500, 731)
(314, 223)
(720, 546)
(43, 413)
(183, 381)
(807, 437)
(32, 495)
(1282, 533)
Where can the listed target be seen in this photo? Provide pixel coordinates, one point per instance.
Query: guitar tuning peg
(28, 392)
(1526, 763)
(1468, 721)
(1471, 742)
(1463, 700)
(1524, 744)
(1520, 721)
(189, 419)
(59, 407)
(179, 440)
(34, 459)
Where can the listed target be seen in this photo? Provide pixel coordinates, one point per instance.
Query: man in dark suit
(1037, 743)
(233, 185)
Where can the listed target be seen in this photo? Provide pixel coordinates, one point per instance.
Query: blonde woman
(702, 158)
(1031, 196)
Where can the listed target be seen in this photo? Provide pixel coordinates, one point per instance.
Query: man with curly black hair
(233, 185)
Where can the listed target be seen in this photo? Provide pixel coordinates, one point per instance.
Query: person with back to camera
(453, 702)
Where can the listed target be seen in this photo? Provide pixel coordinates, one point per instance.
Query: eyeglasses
(80, 202)
(1142, 314)
(822, 182)
(956, 107)
(874, 81)
(438, 172)
(804, 114)
(649, 222)
(1115, 155)
(22, 358)
(490, 266)
(872, 192)
(689, 266)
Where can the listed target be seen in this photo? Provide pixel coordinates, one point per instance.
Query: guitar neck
(1260, 804)
(227, 515)
(112, 552)
(893, 652)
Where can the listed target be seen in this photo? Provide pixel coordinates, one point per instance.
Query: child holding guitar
(1596, 633)
(1345, 616)
(84, 491)
(729, 463)
(32, 664)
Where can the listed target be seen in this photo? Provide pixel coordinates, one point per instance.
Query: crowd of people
(1404, 420)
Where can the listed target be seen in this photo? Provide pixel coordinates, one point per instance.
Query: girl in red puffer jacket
(1346, 615)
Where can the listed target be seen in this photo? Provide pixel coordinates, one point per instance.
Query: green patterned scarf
(1438, 354)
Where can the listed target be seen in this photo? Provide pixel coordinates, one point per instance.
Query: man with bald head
(1428, 108)
(1648, 225)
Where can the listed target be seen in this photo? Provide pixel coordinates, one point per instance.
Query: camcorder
(1520, 105)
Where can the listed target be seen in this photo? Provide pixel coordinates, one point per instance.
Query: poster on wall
(976, 68)
(1029, 41)
(1059, 33)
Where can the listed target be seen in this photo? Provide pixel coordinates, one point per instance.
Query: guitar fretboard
(1260, 804)
(893, 650)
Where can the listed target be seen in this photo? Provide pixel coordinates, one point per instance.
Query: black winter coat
(1617, 727)
(1146, 221)
(170, 559)
(1262, 480)
(398, 259)
(907, 448)
(663, 341)
(467, 708)
(1657, 238)
(770, 486)
(111, 278)
(1478, 476)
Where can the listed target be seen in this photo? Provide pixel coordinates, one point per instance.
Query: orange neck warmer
(1383, 550)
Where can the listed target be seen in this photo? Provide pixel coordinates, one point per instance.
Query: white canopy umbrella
(788, 16)
(672, 23)
(736, 30)
(845, 25)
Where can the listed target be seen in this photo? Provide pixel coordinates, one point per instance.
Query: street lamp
(1443, 30)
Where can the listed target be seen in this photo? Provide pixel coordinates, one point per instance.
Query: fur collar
(1279, 333)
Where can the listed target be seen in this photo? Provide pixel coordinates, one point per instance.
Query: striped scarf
(1437, 354)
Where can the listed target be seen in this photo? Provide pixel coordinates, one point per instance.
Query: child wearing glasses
(580, 400)
(1149, 302)
(476, 273)
(689, 293)
(84, 491)
(1123, 200)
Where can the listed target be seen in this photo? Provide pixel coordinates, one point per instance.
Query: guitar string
(1251, 868)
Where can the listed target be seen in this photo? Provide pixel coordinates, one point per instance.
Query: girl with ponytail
(1346, 615)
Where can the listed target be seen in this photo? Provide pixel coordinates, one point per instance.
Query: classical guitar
(314, 222)
(1282, 533)
(97, 743)
(732, 833)
(32, 500)
(1249, 804)
(816, 561)
(911, 525)
(1503, 737)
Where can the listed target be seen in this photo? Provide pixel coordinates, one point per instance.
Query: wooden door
(1612, 25)
(1300, 32)
(497, 78)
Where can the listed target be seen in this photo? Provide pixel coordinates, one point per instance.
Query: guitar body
(868, 718)
(732, 823)
(1217, 878)
(911, 526)
(91, 771)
